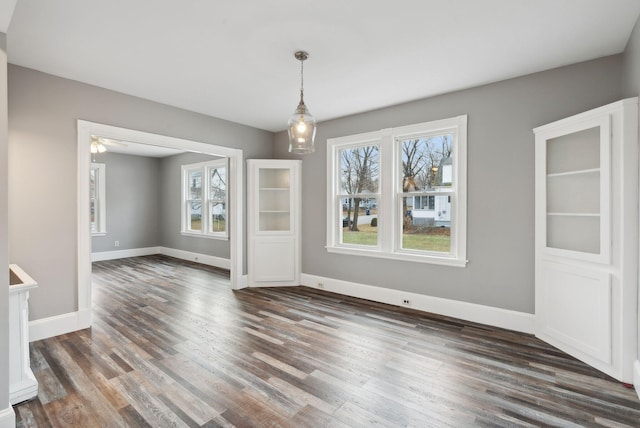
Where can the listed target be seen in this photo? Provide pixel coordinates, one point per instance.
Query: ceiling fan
(98, 144)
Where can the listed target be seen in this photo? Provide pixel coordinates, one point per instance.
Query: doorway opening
(235, 199)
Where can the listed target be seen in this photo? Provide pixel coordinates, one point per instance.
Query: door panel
(577, 309)
(274, 259)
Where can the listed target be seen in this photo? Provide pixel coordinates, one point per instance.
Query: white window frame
(99, 226)
(390, 193)
(204, 168)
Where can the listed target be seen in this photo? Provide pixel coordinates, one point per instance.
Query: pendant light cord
(302, 81)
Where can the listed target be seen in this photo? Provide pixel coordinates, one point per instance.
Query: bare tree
(359, 170)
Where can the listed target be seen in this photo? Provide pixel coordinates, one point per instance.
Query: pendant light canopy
(302, 126)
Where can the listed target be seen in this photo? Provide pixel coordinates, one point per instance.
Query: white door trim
(236, 192)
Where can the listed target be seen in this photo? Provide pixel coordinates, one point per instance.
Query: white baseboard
(60, 324)
(7, 418)
(25, 390)
(636, 376)
(243, 282)
(171, 252)
(498, 317)
(121, 254)
(196, 257)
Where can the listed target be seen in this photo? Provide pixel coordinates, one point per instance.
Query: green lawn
(218, 226)
(410, 241)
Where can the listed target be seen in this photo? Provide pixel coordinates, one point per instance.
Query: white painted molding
(236, 193)
(60, 324)
(498, 317)
(24, 390)
(171, 252)
(121, 254)
(7, 418)
(243, 282)
(636, 376)
(196, 257)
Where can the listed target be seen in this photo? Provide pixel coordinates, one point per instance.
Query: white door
(586, 236)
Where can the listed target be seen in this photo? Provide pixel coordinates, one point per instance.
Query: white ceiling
(233, 59)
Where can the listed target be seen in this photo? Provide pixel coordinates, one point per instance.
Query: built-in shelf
(575, 214)
(577, 172)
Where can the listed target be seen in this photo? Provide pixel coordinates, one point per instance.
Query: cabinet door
(274, 259)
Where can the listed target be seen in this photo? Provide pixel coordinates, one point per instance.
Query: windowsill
(406, 257)
(202, 235)
(98, 233)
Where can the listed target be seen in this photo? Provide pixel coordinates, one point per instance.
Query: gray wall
(133, 208)
(144, 203)
(4, 238)
(631, 87)
(43, 110)
(631, 64)
(171, 208)
(500, 238)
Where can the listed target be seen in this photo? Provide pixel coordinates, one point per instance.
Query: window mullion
(205, 199)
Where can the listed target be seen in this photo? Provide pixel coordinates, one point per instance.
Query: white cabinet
(273, 222)
(587, 236)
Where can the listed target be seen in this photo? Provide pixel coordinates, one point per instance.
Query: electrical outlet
(116, 244)
(320, 285)
(406, 302)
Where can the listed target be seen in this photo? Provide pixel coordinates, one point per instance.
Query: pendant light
(302, 126)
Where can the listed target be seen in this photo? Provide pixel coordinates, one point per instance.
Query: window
(97, 200)
(358, 189)
(204, 199)
(400, 193)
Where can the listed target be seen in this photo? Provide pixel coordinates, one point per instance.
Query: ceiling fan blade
(111, 142)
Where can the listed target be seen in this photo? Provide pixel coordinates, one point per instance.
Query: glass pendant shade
(302, 126)
(302, 131)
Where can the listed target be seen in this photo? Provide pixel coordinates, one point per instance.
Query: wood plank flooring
(172, 346)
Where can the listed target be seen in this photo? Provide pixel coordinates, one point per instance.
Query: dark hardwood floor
(171, 345)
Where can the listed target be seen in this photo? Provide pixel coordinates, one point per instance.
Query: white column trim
(7, 418)
(636, 376)
(236, 191)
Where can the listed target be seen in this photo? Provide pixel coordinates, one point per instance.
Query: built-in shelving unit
(586, 236)
(274, 222)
